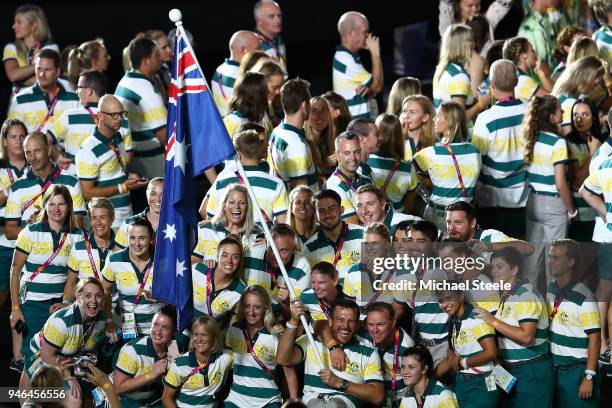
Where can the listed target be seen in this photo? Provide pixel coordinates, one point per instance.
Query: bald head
(109, 115)
(503, 75)
(349, 21)
(353, 28)
(242, 42)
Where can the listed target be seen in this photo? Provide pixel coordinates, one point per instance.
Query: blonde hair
(221, 219)
(291, 218)
(401, 89)
(457, 44)
(82, 58)
(263, 296)
(327, 136)
(429, 135)
(212, 330)
(390, 129)
(456, 120)
(87, 281)
(249, 60)
(582, 47)
(578, 78)
(34, 15)
(6, 126)
(102, 202)
(537, 119)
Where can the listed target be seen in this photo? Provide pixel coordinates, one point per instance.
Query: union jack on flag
(196, 140)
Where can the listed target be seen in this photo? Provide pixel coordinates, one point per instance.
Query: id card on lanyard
(338, 254)
(457, 169)
(50, 110)
(42, 191)
(128, 319)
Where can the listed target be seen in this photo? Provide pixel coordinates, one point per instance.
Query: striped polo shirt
(146, 111)
(38, 242)
(200, 388)
(439, 164)
(79, 262)
(233, 120)
(392, 218)
(346, 187)
(485, 298)
(498, 135)
(523, 305)
(269, 190)
(467, 333)
(601, 154)
(599, 183)
(491, 235)
(348, 73)
(526, 86)
(31, 105)
(222, 84)
(290, 157)
(454, 82)
(97, 161)
(410, 149)
(359, 284)
(275, 48)
(252, 386)
(137, 358)
(224, 301)
(603, 39)
(388, 360)
(431, 322)
(548, 151)
(10, 53)
(319, 248)
(65, 330)
(29, 185)
(364, 367)
(8, 175)
(121, 239)
(402, 181)
(209, 236)
(575, 318)
(257, 272)
(315, 306)
(579, 153)
(567, 103)
(123, 274)
(436, 395)
(74, 126)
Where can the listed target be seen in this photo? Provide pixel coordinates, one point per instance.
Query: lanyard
(269, 43)
(379, 292)
(86, 336)
(196, 370)
(220, 82)
(251, 351)
(51, 258)
(209, 291)
(343, 235)
(94, 269)
(117, 153)
(560, 297)
(10, 175)
(396, 347)
(42, 191)
(346, 181)
(92, 114)
(142, 284)
(390, 175)
(457, 169)
(506, 99)
(241, 181)
(325, 309)
(273, 275)
(51, 109)
(505, 297)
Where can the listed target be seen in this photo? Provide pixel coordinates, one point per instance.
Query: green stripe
(315, 381)
(547, 139)
(538, 178)
(566, 360)
(356, 101)
(195, 400)
(451, 192)
(504, 123)
(257, 392)
(128, 94)
(111, 182)
(119, 202)
(502, 166)
(50, 269)
(572, 342)
(226, 80)
(246, 371)
(338, 66)
(48, 288)
(511, 181)
(255, 181)
(80, 119)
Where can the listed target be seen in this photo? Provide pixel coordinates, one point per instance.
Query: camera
(80, 369)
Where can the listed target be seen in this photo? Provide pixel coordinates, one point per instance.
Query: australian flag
(196, 140)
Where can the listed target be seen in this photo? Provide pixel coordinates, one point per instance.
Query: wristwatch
(589, 374)
(344, 385)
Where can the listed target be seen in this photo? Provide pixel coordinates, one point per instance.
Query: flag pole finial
(176, 17)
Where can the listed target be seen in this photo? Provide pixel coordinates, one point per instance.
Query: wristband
(106, 385)
(495, 323)
(148, 377)
(290, 325)
(330, 343)
(125, 188)
(463, 363)
(120, 188)
(15, 308)
(574, 214)
(335, 346)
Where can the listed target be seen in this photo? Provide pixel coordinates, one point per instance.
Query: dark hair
(282, 230)
(345, 303)
(325, 268)
(494, 52)
(423, 356)
(250, 96)
(371, 188)
(403, 226)
(337, 101)
(514, 47)
(426, 227)
(480, 30)
(360, 127)
(327, 193)
(247, 142)
(565, 38)
(293, 94)
(574, 136)
(140, 49)
(467, 208)
(572, 248)
(51, 54)
(252, 126)
(234, 239)
(512, 257)
(382, 307)
(169, 311)
(96, 80)
(143, 221)
(457, 246)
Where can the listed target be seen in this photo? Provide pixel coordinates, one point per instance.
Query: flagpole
(175, 16)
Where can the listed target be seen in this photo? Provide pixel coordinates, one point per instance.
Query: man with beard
(372, 207)
(345, 180)
(462, 224)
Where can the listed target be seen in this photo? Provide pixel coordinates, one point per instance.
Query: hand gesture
(16, 316)
(96, 376)
(297, 308)
(283, 292)
(338, 358)
(330, 379)
(373, 44)
(159, 368)
(110, 329)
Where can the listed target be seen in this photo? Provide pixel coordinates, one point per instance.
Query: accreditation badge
(128, 325)
(503, 378)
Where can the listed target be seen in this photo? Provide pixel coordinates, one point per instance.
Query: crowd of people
(508, 164)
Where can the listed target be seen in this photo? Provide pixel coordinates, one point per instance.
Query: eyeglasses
(116, 115)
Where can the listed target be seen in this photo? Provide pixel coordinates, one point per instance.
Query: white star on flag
(180, 155)
(180, 267)
(170, 232)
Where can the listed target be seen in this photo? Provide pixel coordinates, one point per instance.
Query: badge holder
(128, 326)
(490, 383)
(503, 378)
